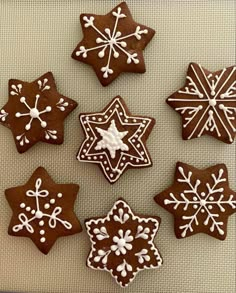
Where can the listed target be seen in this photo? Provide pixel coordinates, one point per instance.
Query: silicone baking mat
(39, 36)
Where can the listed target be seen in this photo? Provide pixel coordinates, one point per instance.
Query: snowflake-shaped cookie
(35, 112)
(122, 243)
(207, 103)
(43, 210)
(200, 200)
(115, 139)
(113, 43)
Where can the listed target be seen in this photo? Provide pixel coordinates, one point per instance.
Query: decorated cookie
(115, 139)
(113, 43)
(200, 200)
(122, 243)
(43, 210)
(207, 103)
(35, 111)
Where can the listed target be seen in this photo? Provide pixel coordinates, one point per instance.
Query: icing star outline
(200, 200)
(43, 210)
(122, 243)
(35, 112)
(137, 130)
(207, 103)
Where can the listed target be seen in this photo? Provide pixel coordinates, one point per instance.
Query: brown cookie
(113, 43)
(35, 112)
(122, 243)
(115, 139)
(43, 210)
(200, 200)
(207, 103)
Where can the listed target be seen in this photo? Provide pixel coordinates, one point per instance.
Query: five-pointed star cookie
(115, 139)
(122, 243)
(200, 200)
(207, 103)
(35, 111)
(113, 43)
(43, 210)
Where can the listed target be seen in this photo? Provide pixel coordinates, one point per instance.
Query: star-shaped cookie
(123, 243)
(200, 200)
(115, 139)
(43, 210)
(207, 103)
(35, 112)
(113, 43)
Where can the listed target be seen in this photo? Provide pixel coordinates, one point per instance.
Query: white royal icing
(201, 202)
(112, 140)
(3, 115)
(113, 41)
(39, 214)
(122, 243)
(211, 101)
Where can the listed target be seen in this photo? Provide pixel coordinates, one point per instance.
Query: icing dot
(82, 156)
(107, 168)
(87, 145)
(211, 198)
(195, 206)
(101, 157)
(133, 140)
(110, 111)
(93, 118)
(111, 175)
(91, 138)
(203, 194)
(126, 120)
(84, 151)
(43, 239)
(144, 121)
(134, 120)
(87, 118)
(28, 209)
(52, 201)
(33, 212)
(105, 162)
(47, 206)
(88, 129)
(89, 158)
(99, 119)
(202, 211)
(142, 153)
(210, 207)
(121, 114)
(195, 198)
(41, 223)
(136, 136)
(106, 116)
(121, 164)
(42, 232)
(117, 106)
(59, 195)
(95, 158)
(124, 158)
(131, 159)
(22, 205)
(145, 160)
(138, 145)
(137, 160)
(39, 215)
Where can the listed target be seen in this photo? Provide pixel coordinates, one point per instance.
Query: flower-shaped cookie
(115, 139)
(122, 243)
(35, 112)
(43, 210)
(207, 103)
(200, 200)
(113, 43)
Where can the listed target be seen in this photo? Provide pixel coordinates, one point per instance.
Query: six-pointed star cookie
(115, 139)
(35, 111)
(43, 210)
(122, 243)
(200, 200)
(113, 43)
(207, 103)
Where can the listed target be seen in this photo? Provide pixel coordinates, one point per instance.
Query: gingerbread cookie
(200, 200)
(113, 43)
(122, 243)
(207, 103)
(115, 139)
(43, 210)
(35, 112)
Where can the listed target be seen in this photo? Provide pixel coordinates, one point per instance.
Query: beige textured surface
(38, 36)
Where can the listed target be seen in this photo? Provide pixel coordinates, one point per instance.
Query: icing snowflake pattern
(117, 159)
(113, 41)
(207, 103)
(202, 203)
(38, 213)
(115, 245)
